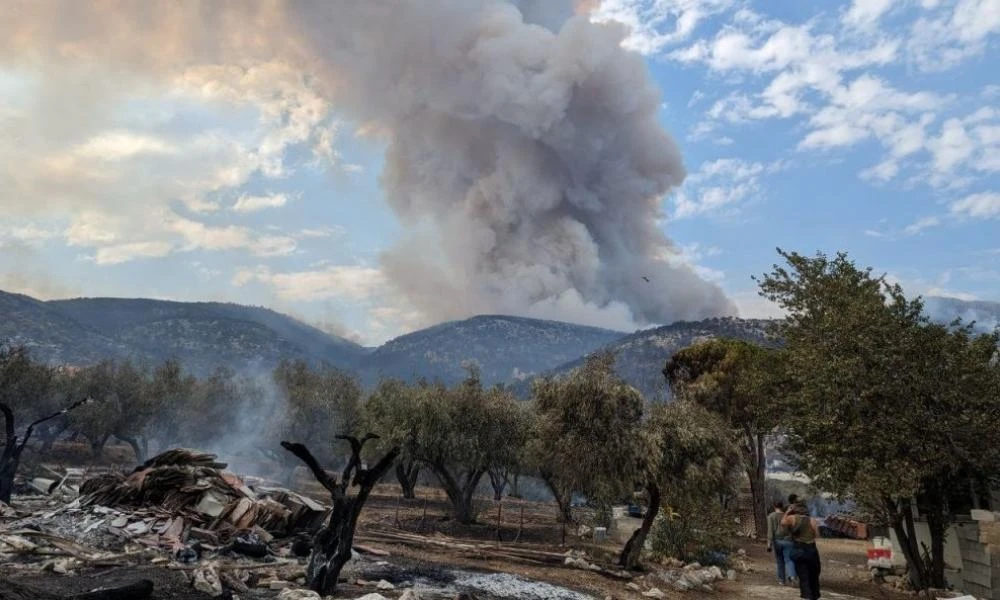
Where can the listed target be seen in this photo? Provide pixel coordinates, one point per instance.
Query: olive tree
(587, 434)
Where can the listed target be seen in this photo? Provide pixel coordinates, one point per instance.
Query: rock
(584, 531)
(741, 552)
(692, 566)
(682, 585)
(654, 593)
(465, 596)
(206, 581)
(279, 584)
(716, 573)
(410, 595)
(633, 586)
(290, 594)
(373, 596)
(731, 575)
(384, 585)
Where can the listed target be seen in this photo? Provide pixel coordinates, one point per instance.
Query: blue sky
(871, 127)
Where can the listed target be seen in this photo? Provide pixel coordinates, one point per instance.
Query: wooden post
(423, 517)
(397, 511)
(520, 526)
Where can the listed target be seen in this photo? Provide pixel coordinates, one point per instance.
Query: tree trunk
(8, 469)
(564, 498)
(933, 506)
(97, 445)
(498, 481)
(460, 495)
(333, 543)
(631, 555)
(901, 518)
(515, 488)
(407, 473)
(137, 448)
(756, 469)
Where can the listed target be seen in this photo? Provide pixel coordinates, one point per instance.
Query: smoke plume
(524, 154)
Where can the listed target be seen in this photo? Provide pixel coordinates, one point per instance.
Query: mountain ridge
(506, 349)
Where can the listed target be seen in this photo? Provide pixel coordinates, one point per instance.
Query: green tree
(463, 432)
(889, 408)
(392, 409)
(171, 391)
(690, 456)
(322, 403)
(587, 434)
(745, 384)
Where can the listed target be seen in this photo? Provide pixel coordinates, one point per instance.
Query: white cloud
(656, 24)
(322, 232)
(346, 282)
(120, 253)
(865, 14)
(984, 205)
(921, 224)
(248, 204)
(720, 186)
(952, 34)
(121, 145)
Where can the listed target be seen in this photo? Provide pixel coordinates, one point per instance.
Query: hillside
(52, 335)
(505, 348)
(640, 357)
(202, 335)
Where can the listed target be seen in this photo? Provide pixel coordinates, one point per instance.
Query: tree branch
(31, 427)
(324, 479)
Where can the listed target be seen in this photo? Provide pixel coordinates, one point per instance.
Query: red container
(877, 553)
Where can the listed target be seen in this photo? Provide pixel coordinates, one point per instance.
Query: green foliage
(587, 436)
(692, 457)
(917, 401)
(694, 533)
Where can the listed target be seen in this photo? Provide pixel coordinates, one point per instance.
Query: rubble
(180, 496)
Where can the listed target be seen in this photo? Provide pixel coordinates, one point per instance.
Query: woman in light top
(803, 532)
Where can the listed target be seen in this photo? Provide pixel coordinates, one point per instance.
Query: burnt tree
(13, 446)
(332, 545)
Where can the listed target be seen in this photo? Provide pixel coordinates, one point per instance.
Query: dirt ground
(522, 524)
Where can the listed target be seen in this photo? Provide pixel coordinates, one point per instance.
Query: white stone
(384, 585)
(654, 593)
(206, 581)
(983, 515)
(372, 596)
(289, 594)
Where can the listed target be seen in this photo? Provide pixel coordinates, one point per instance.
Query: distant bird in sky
(646, 279)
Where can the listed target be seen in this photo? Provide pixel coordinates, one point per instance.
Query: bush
(703, 535)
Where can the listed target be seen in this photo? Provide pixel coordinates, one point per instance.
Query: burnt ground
(532, 524)
(167, 584)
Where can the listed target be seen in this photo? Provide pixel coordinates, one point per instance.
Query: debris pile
(178, 497)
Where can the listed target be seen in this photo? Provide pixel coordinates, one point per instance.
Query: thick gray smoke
(524, 155)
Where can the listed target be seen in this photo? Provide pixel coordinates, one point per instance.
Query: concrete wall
(980, 546)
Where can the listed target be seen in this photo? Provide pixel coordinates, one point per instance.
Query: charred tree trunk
(407, 473)
(333, 543)
(631, 555)
(13, 447)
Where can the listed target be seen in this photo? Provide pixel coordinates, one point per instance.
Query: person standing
(803, 534)
(779, 542)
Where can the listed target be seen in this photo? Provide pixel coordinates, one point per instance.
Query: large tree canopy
(888, 407)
